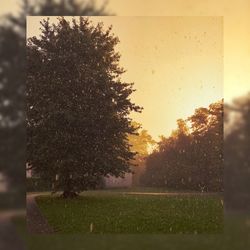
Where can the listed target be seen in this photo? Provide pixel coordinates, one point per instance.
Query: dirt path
(36, 222)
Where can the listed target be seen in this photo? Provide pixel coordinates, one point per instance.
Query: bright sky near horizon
(176, 64)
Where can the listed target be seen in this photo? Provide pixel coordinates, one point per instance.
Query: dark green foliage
(42, 185)
(77, 106)
(64, 8)
(236, 150)
(133, 213)
(37, 185)
(13, 77)
(190, 158)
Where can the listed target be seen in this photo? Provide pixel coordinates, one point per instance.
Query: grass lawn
(143, 189)
(113, 212)
(235, 237)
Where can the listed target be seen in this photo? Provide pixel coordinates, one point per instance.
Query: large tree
(13, 77)
(77, 106)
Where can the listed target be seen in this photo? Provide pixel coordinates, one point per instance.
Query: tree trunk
(68, 192)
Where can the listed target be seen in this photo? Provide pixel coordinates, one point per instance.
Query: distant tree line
(140, 143)
(192, 157)
(236, 153)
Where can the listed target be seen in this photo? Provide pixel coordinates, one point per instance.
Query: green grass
(113, 212)
(235, 237)
(145, 189)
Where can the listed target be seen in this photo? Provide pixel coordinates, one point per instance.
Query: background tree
(141, 144)
(192, 157)
(141, 141)
(236, 150)
(77, 106)
(207, 146)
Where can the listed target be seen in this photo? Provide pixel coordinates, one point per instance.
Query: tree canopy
(141, 141)
(77, 106)
(141, 144)
(13, 77)
(192, 156)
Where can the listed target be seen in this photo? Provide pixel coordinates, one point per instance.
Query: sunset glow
(176, 64)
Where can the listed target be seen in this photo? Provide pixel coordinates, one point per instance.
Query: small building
(114, 182)
(129, 180)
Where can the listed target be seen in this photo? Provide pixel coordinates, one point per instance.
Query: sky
(176, 64)
(236, 31)
(236, 26)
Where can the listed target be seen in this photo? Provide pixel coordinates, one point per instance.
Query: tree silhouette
(12, 87)
(77, 106)
(13, 76)
(141, 144)
(191, 158)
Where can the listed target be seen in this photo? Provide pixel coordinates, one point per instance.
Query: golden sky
(176, 64)
(236, 21)
(236, 18)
